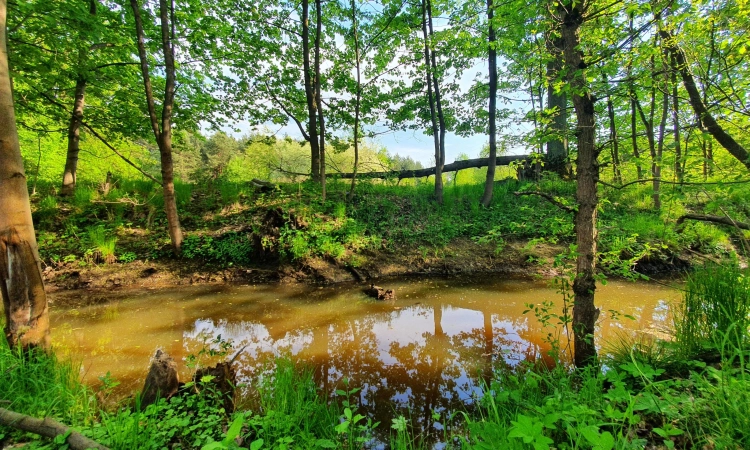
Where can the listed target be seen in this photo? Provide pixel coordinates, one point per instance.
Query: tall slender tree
(571, 16)
(162, 128)
(489, 182)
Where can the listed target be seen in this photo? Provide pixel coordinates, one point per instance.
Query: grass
(102, 245)
(383, 217)
(715, 310)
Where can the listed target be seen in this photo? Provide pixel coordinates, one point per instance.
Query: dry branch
(48, 428)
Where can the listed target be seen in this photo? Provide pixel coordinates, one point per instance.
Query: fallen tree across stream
(419, 173)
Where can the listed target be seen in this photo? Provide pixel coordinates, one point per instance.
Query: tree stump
(380, 293)
(162, 380)
(223, 379)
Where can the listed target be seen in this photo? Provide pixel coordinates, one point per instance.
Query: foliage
(228, 249)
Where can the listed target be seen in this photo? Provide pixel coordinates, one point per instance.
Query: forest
(198, 198)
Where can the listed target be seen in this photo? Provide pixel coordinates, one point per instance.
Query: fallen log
(263, 186)
(714, 219)
(419, 173)
(48, 428)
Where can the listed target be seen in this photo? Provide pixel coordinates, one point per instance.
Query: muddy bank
(460, 258)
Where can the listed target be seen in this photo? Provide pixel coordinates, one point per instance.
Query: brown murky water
(427, 351)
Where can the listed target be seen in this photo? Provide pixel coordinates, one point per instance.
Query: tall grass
(715, 309)
(40, 385)
(290, 408)
(103, 245)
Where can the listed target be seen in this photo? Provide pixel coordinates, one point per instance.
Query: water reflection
(424, 355)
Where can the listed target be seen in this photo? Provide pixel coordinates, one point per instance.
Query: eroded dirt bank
(97, 283)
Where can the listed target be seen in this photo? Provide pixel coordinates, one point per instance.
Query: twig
(124, 158)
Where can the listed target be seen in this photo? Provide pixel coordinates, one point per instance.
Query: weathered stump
(223, 379)
(162, 380)
(380, 293)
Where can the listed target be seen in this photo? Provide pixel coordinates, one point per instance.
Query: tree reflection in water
(423, 356)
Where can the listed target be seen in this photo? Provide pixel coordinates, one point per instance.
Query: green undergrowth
(227, 223)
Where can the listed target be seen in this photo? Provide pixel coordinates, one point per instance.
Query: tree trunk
(76, 118)
(426, 172)
(648, 122)
(557, 101)
(613, 137)
(21, 285)
(431, 100)
(74, 128)
(660, 148)
(318, 101)
(709, 122)
(312, 110)
(163, 132)
(358, 99)
(633, 106)
(439, 108)
(48, 428)
(585, 313)
(676, 122)
(489, 182)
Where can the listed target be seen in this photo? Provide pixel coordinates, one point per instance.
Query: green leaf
(235, 429)
(256, 444)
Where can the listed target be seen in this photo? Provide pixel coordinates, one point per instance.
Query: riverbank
(234, 234)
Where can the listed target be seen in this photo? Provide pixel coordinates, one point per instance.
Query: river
(425, 354)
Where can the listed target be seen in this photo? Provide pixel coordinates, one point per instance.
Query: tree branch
(124, 158)
(714, 219)
(679, 183)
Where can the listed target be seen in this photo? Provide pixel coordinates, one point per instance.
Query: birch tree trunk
(21, 285)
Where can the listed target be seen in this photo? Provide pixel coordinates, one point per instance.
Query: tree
(571, 15)
(163, 131)
(21, 285)
(489, 182)
(71, 56)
